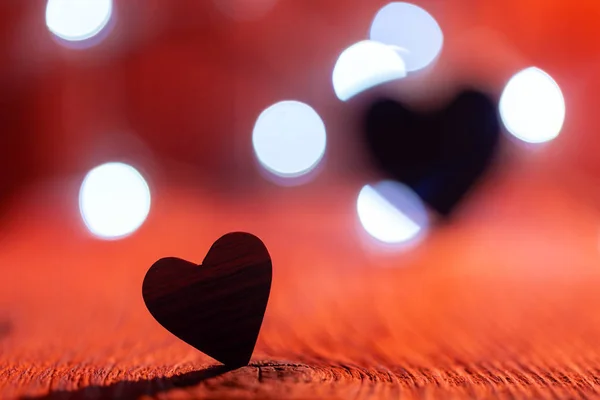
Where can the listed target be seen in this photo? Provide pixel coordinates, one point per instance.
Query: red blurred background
(175, 90)
(186, 81)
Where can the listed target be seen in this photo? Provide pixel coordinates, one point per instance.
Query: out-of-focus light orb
(532, 106)
(77, 20)
(114, 200)
(245, 9)
(364, 65)
(391, 213)
(289, 139)
(411, 28)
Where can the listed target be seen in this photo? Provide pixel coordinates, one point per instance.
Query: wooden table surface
(503, 303)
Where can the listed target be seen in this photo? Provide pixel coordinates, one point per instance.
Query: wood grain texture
(502, 305)
(217, 307)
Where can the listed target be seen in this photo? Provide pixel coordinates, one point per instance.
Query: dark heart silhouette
(439, 155)
(217, 307)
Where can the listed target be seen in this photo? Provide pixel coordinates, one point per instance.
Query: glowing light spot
(391, 212)
(411, 28)
(114, 200)
(364, 65)
(77, 20)
(289, 139)
(532, 106)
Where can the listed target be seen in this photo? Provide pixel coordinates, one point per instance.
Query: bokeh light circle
(391, 213)
(532, 106)
(114, 200)
(410, 28)
(364, 65)
(289, 138)
(77, 20)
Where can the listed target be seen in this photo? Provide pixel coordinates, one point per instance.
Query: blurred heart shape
(218, 306)
(439, 154)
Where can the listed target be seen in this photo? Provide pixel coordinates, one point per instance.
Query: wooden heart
(440, 154)
(218, 306)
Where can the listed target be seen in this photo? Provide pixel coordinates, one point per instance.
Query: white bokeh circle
(410, 28)
(532, 106)
(289, 138)
(364, 65)
(77, 20)
(391, 213)
(114, 200)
